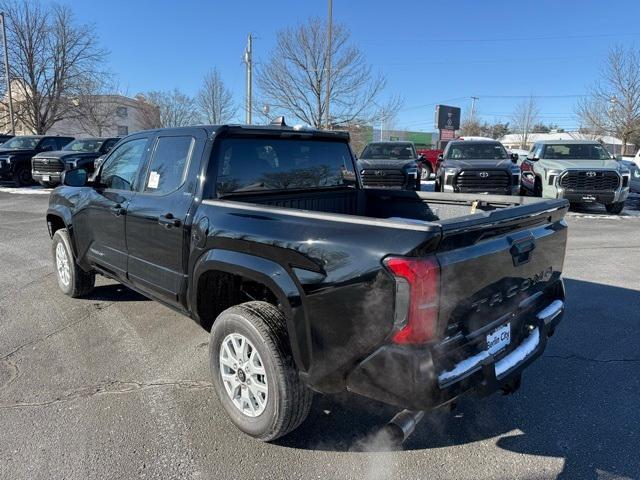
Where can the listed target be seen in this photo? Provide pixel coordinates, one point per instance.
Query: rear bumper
(408, 377)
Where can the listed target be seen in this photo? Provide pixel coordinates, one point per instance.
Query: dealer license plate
(499, 338)
(46, 178)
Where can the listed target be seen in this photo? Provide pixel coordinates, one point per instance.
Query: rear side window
(258, 164)
(168, 164)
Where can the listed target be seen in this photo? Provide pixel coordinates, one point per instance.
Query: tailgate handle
(521, 250)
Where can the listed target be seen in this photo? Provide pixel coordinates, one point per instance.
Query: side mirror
(77, 177)
(514, 157)
(440, 157)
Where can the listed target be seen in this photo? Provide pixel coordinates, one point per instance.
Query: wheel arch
(230, 270)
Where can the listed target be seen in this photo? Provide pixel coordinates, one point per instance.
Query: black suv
(47, 167)
(16, 154)
(478, 166)
(390, 165)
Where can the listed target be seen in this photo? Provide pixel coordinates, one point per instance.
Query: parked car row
(581, 171)
(42, 158)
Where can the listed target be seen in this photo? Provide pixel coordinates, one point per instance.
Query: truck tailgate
(500, 264)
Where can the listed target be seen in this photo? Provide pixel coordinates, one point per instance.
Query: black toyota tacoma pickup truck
(478, 166)
(309, 282)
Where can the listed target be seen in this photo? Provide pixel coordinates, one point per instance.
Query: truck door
(157, 218)
(100, 223)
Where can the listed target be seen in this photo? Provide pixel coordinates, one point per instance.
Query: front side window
(48, 144)
(122, 166)
(575, 151)
(257, 164)
(84, 146)
(476, 151)
(168, 165)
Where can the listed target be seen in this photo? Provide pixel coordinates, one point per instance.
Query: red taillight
(417, 295)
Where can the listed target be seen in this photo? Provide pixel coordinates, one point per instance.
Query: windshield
(255, 164)
(84, 146)
(389, 151)
(20, 143)
(575, 151)
(476, 151)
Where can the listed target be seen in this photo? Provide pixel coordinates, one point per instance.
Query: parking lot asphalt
(117, 386)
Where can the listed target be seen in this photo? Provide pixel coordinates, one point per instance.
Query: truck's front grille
(383, 178)
(482, 180)
(47, 165)
(590, 180)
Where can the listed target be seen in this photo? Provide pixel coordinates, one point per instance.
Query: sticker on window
(154, 180)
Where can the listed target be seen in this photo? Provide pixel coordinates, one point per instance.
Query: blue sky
(430, 52)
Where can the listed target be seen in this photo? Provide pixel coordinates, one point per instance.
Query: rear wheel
(614, 208)
(22, 177)
(253, 371)
(72, 280)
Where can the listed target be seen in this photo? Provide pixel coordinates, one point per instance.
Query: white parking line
(27, 190)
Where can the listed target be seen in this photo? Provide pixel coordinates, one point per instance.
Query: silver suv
(582, 171)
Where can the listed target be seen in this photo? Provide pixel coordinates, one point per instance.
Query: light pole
(329, 33)
(6, 73)
(248, 60)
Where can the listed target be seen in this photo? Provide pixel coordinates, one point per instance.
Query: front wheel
(72, 280)
(253, 371)
(22, 177)
(614, 208)
(425, 173)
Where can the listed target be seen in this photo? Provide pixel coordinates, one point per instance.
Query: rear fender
(274, 277)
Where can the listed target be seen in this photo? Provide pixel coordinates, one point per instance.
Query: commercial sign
(447, 118)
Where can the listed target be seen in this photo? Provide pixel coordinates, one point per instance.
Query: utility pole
(6, 73)
(329, 33)
(473, 106)
(249, 63)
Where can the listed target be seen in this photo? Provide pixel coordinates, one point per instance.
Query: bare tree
(294, 78)
(215, 100)
(176, 109)
(525, 116)
(613, 104)
(94, 109)
(148, 113)
(52, 59)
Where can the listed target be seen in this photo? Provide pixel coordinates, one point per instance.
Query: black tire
(614, 208)
(22, 176)
(425, 173)
(537, 189)
(79, 282)
(288, 400)
(48, 184)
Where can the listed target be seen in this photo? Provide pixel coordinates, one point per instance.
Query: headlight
(552, 175)
(450, 171)
(412, 172)
(71, 162)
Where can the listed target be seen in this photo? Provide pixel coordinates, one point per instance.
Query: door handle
(168, 220)
(117, 210)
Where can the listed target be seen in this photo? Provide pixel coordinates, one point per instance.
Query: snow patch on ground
(26, 190)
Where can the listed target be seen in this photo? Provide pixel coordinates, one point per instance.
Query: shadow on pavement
(115, 292)
(579, 402)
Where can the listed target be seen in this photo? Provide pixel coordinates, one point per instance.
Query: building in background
(95, 116)
(612, 144)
